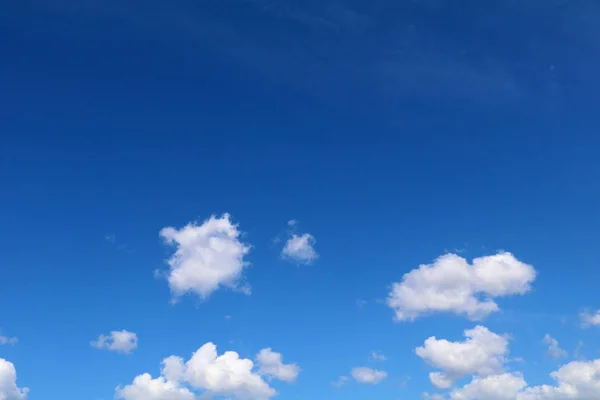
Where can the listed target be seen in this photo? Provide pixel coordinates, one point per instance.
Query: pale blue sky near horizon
(392, 131)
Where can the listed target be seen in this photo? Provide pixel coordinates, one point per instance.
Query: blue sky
(337, 146)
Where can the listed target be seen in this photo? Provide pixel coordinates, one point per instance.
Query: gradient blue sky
(392, 131)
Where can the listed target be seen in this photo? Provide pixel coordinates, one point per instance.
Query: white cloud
(451, 284)
(577, 350)
(119, 341)
(271, 364)
(300, 249)
(225, 375)
(173, 368)
(433, 396)
(146, 388)
(341, 381)
(8, 382)
(440, 380)
(205, 372)
(493, 387)
(577, 380)
(482, 353)
(208, 256)
(8, 340)
(378, 356)
(368, 375)
(590, 319)
(553, 348)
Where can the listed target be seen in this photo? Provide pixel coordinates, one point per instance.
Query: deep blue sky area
(392, 131)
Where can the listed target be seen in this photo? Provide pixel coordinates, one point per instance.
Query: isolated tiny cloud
(590, 318)
(378, 356)
(554, 349)
(482, 353)
(361, 304)
(206, 374)
(119, 341)
(341, 381)
(8, 382)
(368, 376)
(299, 248)
(207, 257)
(453, 285)
(271, 365)
(8, 340)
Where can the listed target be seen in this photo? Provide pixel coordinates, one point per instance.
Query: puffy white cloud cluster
(207, 257)
(8, 383)
(482, 353)
(453, 285)
(119, 341)
(576, 380)
(144, 387)
(211, 374)
(493, 387)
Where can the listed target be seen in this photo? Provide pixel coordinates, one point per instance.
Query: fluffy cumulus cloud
(8, 382)
(482, 353)
(146, 388)
(207, 256)
(119, 341)
(494, 387)
(576, 380)
(300, 249)
(271, 364)
(554, 349)
(368, 375)
(590, 318)
(451, 284)
(205, 372)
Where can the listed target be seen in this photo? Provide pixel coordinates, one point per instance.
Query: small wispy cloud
(112, 239)
(6, 340)
(368, 376)
(589, 318)
(377, 356)
(118, 341)
(554, 350)
(341, 381)
(577, 352)
(299, 248)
